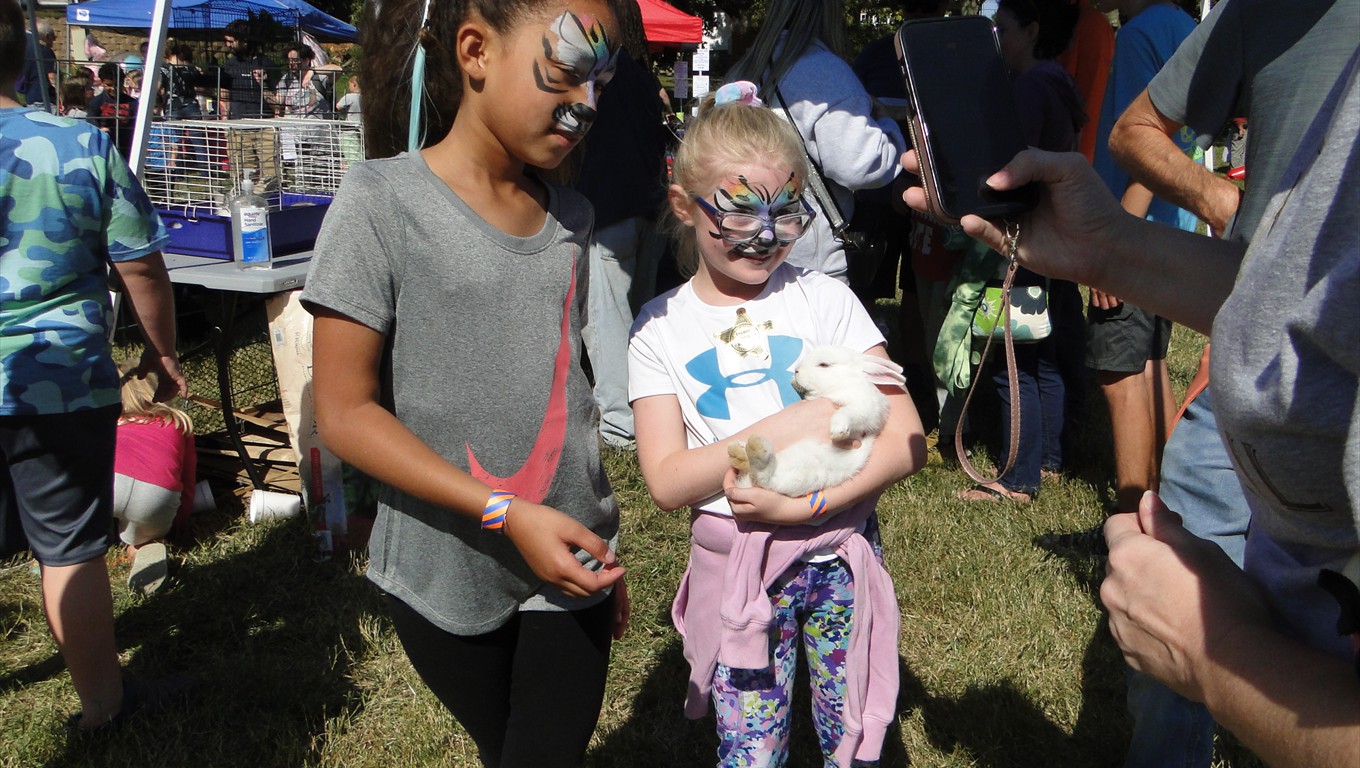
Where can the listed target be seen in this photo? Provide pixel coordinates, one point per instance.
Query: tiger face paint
(577, 59)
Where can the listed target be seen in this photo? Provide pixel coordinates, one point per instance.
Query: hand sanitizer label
(254, 235)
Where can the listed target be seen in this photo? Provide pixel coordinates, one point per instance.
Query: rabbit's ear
(882, 371)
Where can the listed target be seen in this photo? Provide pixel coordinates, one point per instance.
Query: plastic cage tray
(195, 167)
(292, 227)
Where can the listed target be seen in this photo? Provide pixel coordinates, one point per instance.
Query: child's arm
(677, 475)
(899, 451)
(357, 428)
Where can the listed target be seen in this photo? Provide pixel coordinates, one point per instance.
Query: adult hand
(548, 540)
(1066, 235)
(765, 506)
(1103, 300)
(170, 379)
(1174, 599)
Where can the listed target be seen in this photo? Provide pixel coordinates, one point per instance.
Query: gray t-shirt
(1269, 61)
(483, 364)
(1285, 368)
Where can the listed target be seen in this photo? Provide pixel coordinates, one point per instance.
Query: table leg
(222, 351)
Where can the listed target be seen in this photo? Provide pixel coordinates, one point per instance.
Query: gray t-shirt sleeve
(356, 262)
(1200, 86)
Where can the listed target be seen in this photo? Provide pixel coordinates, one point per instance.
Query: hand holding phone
(963, 120)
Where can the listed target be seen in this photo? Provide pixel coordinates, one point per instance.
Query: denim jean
(1169, 731)
(622, 254)
(1042, 389)
(1198, 482)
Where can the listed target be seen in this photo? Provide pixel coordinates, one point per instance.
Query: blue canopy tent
(211, 14)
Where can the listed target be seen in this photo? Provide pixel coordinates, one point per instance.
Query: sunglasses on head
(737, 228)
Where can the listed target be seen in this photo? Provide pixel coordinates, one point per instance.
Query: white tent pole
(151, 77)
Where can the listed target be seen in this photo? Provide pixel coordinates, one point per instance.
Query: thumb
(1157, 520)
(584, 539)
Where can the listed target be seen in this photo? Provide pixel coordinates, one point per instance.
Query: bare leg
(1141, 408)
(79, 607)
(1164, 410)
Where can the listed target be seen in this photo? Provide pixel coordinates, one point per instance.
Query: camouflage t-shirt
(68, 205)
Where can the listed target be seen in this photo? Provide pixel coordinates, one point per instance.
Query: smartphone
(962, 116)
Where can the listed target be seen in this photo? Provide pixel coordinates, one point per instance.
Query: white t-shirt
(732, 366)
(351, 106)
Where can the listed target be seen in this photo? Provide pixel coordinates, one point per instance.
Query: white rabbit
(847, 378)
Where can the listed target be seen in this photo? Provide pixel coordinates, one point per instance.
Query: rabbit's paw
(840, 427)
(761, 455)
(736, 454)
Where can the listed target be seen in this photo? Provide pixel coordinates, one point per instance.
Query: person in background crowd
(796, 63)
(622, 175)
(1032, 33)
(1126, 345)
(244, 94)
(39, 78)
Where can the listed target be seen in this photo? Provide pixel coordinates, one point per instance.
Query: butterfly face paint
(752, 219)
(576, 52)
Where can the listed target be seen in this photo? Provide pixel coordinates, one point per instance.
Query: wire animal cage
(194, 168)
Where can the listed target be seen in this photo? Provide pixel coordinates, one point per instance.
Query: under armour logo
(784, 352)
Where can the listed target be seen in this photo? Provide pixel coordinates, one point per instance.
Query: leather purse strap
(1012, 374)
(834, 218)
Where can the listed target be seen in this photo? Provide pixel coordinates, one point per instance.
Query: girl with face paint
(710, 364)
(448, 289)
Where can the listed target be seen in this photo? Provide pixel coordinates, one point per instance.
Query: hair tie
(413, 130)
(738, 92)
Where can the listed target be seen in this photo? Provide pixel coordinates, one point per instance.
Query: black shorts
(1125, 338)
(56, 493)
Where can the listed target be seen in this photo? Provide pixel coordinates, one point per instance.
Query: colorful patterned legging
(813, 601)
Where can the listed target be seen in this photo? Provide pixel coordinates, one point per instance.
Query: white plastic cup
(270, 505)
(203, 497)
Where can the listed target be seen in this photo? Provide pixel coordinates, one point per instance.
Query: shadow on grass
(270, 637)
(996, 725)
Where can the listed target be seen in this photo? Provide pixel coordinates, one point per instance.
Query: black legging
(529, 692)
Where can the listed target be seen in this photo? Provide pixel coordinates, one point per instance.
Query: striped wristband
(493, 518)
(817, 501)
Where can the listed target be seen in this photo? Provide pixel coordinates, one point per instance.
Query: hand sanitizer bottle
(250, 227)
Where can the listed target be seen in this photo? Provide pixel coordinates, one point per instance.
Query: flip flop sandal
(149, 568)
(993, 494)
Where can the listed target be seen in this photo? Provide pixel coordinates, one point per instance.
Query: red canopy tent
(667, 25)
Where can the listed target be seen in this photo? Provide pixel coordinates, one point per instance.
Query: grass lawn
(1004, 656)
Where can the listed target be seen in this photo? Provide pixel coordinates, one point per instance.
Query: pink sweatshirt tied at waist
(733, 565)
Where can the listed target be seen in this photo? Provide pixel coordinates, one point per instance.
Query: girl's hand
(548, 539)
(765, 506)
(805, 419)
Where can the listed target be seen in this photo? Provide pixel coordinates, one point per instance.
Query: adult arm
(358, 429)
(1079, 232)
(1136, 200)
(1141, 142)
(152, 300)
(1184, 614)
(855, 146)
(899, 451)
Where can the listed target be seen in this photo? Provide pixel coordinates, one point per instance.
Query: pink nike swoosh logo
(532, 480)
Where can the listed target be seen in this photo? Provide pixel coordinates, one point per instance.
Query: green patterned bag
(1029, 312)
